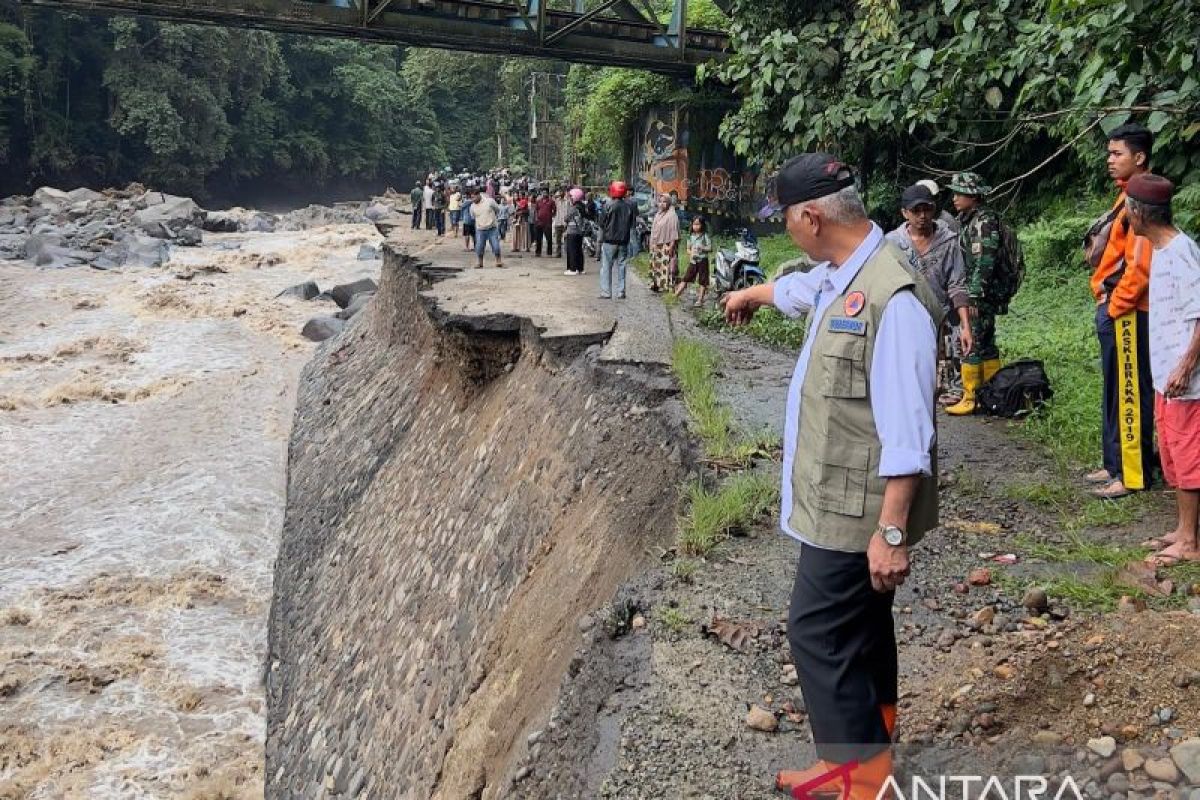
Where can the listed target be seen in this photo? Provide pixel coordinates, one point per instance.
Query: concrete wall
(458, 498)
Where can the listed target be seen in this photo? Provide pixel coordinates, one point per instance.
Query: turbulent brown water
(143, 426)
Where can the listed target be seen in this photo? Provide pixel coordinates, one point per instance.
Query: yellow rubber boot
(972, 378)
(990, 368)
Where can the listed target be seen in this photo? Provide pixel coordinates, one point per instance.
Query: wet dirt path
(144, 417)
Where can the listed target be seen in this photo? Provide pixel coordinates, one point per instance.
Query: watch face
(893, 536)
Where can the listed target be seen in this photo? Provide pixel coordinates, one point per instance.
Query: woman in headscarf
(664, 246)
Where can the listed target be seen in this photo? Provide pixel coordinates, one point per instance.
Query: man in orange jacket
(1121, 286)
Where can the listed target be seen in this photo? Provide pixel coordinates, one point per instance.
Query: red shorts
(1178, 423)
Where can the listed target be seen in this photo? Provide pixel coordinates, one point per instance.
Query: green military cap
(969, 183)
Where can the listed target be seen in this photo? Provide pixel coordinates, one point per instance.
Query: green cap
(969, 183)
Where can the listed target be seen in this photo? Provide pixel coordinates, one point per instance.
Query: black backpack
(1014, 391)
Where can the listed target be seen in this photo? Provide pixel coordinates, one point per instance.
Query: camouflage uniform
(980, 242)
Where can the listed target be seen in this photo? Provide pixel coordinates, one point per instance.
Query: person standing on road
(521, 221)
(573, 233)
(562, 207)
(455, 207)
(485, 213)
(616, 222)
(543, 223)
(935, 251)
(859, 482)
(980, 242)
(427, 204)
(468, 221)
(417, 197)
(1174, 326)
(439, 210)
(1120, 284)
(664, 246)
(699, 248)
(505, 213)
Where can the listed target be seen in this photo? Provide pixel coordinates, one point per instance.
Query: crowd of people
(551, 221)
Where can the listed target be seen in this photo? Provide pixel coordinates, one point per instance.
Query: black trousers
(843, 643)
(543, 232)
(416, 219)
(573, 245)
(439, 219)
(429, 219)
(1128, 411)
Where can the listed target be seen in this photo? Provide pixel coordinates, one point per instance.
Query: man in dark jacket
(543, 223)
(616, 223)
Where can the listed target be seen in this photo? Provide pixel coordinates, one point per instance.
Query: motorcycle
(739, 268)
(591, 239)
(642, 226)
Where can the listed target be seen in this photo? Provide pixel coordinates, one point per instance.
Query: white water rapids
(144, 417)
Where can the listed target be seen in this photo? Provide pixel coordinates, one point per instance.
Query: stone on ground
(318, 329)
(305, 291)
(357, 304)
(343, 293)
(1186, 756)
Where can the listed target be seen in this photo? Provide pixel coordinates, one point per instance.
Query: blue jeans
(613, 255)
(484, 237)
(455, 218)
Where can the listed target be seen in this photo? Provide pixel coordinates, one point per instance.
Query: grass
(1052, 319)
(673, 619)
(1077, 512)
(1080, 550)
(714, 516)
(695, 366)
(684, 570)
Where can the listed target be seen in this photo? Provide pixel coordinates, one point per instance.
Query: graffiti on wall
(662, 163)
(707, 178)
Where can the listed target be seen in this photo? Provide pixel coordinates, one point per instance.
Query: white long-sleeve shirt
(903, 370)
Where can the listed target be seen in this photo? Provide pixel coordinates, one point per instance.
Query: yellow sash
(1129, 407)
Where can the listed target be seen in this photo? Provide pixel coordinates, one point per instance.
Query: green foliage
(713, 517)
(16, 66)
(959, 82)
(603, 103)
(91, 100)
(1053, 319)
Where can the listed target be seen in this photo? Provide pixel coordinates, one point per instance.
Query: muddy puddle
(144, 417)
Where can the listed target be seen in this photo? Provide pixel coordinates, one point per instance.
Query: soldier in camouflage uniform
(980, 242)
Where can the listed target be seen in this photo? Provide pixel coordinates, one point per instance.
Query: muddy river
(144, 417)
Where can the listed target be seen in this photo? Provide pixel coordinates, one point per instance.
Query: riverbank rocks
(1186, 756)
(318, 329)
(305, 291)
(357, 304)
(343, 293)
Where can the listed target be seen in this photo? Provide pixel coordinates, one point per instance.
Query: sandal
(1107, 492)
(1099, 476)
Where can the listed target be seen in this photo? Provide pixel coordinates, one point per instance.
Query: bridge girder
(525, 27)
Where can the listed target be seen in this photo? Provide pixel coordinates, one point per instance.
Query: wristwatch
(892, 535)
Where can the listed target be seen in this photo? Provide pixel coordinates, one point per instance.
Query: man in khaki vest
(859, 465)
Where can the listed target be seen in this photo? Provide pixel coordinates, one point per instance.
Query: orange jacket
(1132, 289)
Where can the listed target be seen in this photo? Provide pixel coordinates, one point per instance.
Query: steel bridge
(606, 32)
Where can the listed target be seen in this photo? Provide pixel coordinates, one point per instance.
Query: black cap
(808, 176)
(916, 195)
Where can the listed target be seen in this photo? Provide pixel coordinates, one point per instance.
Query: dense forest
(1021, 90)
(98, 101)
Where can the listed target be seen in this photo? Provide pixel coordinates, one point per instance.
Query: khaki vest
(837, 493)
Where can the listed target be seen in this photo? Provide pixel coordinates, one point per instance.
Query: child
(699, 246)
(468, 223)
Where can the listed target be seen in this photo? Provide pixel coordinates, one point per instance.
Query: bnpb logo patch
(854, 303)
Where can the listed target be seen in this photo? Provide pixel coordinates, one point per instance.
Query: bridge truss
(608, 33)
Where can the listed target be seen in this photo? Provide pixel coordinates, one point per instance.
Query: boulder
(377, 211)
(12, 246)
(305, 291)
(318, 329)
(343, 293)
(221, 222)
(166, 219)
(1186, 756)
(49, 197)
(189, 237)
(134, 250)
(83, 195)
(357, 304)
(259, 223)
(368, 252)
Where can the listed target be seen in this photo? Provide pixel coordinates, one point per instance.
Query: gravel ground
(661, 710)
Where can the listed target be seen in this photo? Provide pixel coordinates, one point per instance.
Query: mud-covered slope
(460, 493)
